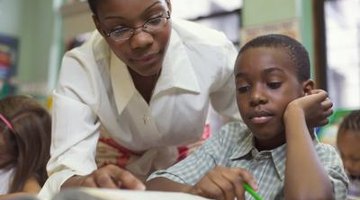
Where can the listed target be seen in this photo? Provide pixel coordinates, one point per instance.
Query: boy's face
(144, 51)
(348, 143)
(266, 82)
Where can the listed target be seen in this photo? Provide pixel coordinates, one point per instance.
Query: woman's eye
(154, 21)
(274, 85)
(119, 31)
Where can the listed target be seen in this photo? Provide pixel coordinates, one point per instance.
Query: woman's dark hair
(93, 6)
(295, 50)
(28, 143)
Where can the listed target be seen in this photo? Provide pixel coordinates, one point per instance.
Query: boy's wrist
(292, 112)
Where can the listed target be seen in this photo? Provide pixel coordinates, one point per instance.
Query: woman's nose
(141, 39)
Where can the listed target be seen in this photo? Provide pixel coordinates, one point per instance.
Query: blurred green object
(327, 134)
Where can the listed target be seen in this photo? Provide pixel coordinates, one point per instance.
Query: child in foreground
(276, 153)
(25, 134)
(348, 143)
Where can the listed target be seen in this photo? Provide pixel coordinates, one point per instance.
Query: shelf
(70, 9)
(76, 19)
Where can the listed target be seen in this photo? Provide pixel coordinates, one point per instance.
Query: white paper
(120, 194)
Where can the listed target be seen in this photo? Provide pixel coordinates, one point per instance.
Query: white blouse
(95, 88)
(6, 176)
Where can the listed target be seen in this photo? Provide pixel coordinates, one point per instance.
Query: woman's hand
(109, 176)
(224, 183)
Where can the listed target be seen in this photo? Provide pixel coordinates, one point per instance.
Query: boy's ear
(308, 86)
(97, 25)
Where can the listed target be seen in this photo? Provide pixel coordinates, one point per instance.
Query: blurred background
(34, 34)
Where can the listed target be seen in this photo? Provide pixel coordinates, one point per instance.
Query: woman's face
(144, 51)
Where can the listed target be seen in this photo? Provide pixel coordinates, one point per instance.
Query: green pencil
(252, 192)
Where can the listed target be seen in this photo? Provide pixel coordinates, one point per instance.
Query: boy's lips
(260, 117)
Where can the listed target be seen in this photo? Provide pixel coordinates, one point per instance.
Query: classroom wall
(36, 25)
(36, 40)
(32, 21)
(10, 15)
(261, 13)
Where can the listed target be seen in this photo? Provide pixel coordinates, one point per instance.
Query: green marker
(252, 192)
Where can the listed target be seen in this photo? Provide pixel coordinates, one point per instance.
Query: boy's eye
(243, 89)
(274, 85)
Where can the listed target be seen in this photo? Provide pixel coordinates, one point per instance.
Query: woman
(147, 81)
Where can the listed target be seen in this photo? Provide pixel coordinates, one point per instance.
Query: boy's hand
(109, 176)
(317, 107)
(224, 183)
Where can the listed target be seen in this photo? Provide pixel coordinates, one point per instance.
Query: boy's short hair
(351, 122)
(297, 52)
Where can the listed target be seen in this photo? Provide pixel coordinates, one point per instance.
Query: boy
(274, 95)
(348, 143)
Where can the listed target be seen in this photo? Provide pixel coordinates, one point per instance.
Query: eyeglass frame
(133, 29)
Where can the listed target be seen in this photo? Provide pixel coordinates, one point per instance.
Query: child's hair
(27, 136)
(295, 49)
(351, 122)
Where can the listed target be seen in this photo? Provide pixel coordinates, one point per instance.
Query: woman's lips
(146, 59)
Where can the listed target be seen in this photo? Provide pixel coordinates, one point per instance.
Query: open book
(117, 194)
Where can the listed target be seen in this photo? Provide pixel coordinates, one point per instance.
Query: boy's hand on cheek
(224, 183)
(316, 108)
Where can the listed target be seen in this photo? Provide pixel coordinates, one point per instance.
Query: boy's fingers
(207, 188)
(226, 185)
(249, 179)
(327, 104)
(237, 183)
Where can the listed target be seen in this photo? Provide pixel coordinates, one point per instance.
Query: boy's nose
(257, 96)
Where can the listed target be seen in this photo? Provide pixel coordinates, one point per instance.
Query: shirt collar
(121, 81)
(246, 148)
(178, 70)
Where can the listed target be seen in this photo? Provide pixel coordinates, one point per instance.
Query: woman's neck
(145, 85)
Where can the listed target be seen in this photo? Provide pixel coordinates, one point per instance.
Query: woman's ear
(308, 86)
(168, 3)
